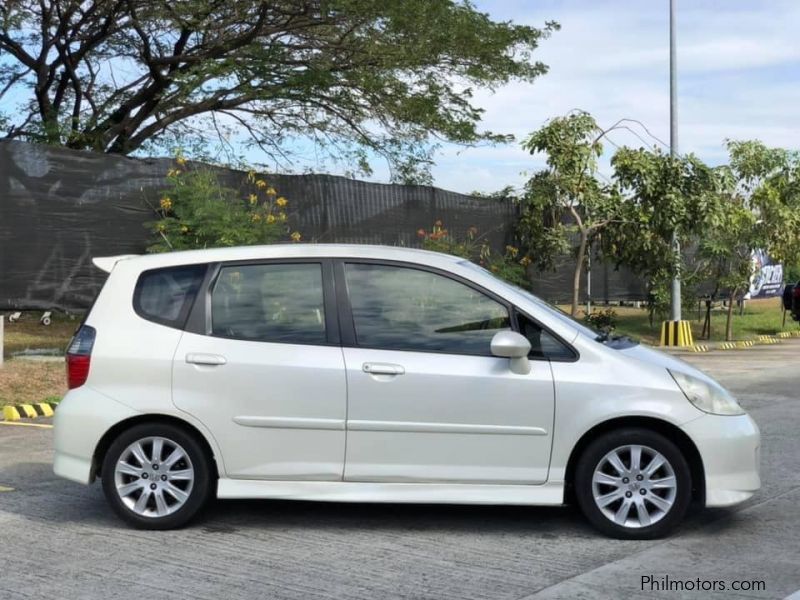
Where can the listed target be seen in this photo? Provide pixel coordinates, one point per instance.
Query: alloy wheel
(154, 477)
(634, 486)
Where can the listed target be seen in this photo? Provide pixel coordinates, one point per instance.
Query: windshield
(550, 308)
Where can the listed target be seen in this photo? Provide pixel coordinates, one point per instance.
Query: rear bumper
(82, 418)
(730, 450)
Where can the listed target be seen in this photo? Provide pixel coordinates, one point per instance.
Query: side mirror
(512, 345)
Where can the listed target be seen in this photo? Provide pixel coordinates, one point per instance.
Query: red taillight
(77, 370)
(79, 356)
(796, 291)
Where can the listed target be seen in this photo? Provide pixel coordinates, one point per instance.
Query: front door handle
(198, 358)
(382, 369)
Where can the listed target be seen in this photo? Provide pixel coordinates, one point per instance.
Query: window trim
(186, 310)
(347, 323)
(200, 319)
(575, 354)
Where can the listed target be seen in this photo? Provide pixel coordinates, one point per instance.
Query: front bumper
(730, 450)
(82, 418)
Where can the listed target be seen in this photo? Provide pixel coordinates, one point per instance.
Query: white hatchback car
(377, 374)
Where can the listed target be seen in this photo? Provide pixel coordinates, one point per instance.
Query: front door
(268, 377)
(427, 402)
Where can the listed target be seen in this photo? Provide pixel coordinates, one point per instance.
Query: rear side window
(280, 303)
(166, 295)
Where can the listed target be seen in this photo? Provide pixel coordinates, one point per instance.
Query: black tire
(199, 490)
(591, 458)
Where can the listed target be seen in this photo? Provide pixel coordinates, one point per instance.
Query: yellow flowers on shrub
(196, 210)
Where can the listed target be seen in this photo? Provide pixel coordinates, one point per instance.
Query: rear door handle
(382, 369)
(198, 358)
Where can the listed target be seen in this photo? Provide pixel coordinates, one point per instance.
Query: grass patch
(25, 381)
(761, 317)
(28, 334)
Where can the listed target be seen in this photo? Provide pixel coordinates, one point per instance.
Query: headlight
(707, 397)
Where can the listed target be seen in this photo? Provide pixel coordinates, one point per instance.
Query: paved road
(59, 540)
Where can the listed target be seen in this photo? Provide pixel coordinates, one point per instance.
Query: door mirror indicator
(512, 345)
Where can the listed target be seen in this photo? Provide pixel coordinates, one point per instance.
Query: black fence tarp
(59, 208)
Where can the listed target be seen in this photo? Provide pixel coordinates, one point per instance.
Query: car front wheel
(633, 484)
(156, 476)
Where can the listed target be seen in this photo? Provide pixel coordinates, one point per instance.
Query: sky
(738, 78)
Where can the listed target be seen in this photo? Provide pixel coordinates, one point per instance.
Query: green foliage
(566, 202)
(359, 78)
(603, 320)
(508, 266)
(197, 211)
(663, 194)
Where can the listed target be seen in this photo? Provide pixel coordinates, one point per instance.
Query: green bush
(604, 320)
(197, 211)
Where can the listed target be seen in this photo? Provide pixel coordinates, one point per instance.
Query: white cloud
(739, 77)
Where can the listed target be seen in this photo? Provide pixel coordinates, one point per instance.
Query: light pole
(675, 297)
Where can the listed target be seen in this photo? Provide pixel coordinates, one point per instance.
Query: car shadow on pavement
(39, 495)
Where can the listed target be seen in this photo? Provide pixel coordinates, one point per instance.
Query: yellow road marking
(18, 424)
(6, 489)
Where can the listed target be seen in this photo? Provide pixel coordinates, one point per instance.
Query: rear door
(262, 368)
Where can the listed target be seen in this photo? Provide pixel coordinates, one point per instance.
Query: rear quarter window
(166, 295)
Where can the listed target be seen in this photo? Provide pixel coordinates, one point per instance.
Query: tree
(758, 210)
(358, 77)
(726, 245)
(662, 195)
(566, 200)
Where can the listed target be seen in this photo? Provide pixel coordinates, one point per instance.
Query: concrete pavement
(59, 540)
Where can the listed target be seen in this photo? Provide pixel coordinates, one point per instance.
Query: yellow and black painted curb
(676, 333)
(29, 411)
(700, 348)
(768, 339)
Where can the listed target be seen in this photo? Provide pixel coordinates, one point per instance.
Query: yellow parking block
(45, 409)
(28, 410)
(10, 413)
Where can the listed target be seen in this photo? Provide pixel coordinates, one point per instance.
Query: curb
(29, 411)
(699, 348)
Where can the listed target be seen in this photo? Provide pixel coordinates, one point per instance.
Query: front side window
(401, 308)
(269, 303)
(166, 295)
(543, 343)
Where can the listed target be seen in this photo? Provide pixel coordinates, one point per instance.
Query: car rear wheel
(633, 484)
(156, 476)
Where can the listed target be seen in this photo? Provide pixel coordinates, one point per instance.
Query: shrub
(604, 320)
(508, 266)
(197, 211)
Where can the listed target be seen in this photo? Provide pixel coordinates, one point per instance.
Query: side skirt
(551, 494)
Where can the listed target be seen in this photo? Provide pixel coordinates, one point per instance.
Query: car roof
(187, 257)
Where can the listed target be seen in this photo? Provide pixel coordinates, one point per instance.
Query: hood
(650, 355)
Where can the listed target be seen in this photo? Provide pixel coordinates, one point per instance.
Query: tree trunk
(576, 279)
(729, 323)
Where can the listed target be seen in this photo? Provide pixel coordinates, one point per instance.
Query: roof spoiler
(106, 263)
